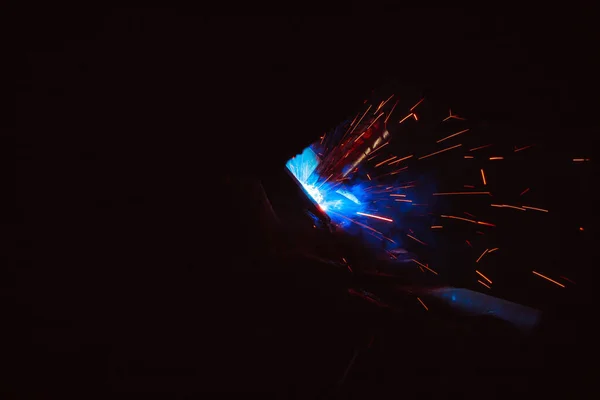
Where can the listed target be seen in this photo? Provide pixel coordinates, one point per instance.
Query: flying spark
(483, 276)
(375, 216)
(548, 279)
(337, 173)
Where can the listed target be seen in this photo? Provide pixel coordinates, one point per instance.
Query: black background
(129, 262)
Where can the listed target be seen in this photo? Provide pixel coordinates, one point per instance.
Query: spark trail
(367, 178)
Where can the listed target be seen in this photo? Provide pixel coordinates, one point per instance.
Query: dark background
(133, 255)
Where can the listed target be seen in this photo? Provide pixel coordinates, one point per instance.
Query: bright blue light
(332, 198)
(354, 201)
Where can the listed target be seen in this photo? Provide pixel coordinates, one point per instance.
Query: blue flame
(347, 202)
(330, 196)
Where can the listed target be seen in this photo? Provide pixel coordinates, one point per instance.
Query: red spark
(376, 217)
(481, 147)
(417, 240)
(468, 220)
(455, 193)
(441, 151)
(451, 136)
(535, 208)
(424, 266)
(523, 148)
(390, 114)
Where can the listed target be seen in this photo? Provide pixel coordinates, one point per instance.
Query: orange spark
(440, 151)
(417, 240)
(492, 250)
(325, 181)
(483, 283)
(356, 222)
(483, 177)
(482, 254)
(448, 117)
(467, 220)
(375, 120)
(496, 158)
(481, 147)
(415, 117)
(419, 102)
(484, 223)
(524, 191)
(507, 206)
(380, 147)
(469, 157)
(423, 304)
(398, 195)
(351, 125)
(402, 159)
(483, 276)
(436, 226)
(581, 228)
(469, 186)
(551, 280)
(452, 116)
(523, 148)
(388, 99)
(390, 114)
(469, 243)
(361, 135)
(424, 266)
(375, 216)
(387, 238)
(368, 176)
(361, 118)
(459, 218)
(383, 162)
(453, 193)
(405, 118)
(535, 208)
(581, 159)
(398, 170)
(451, 136)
